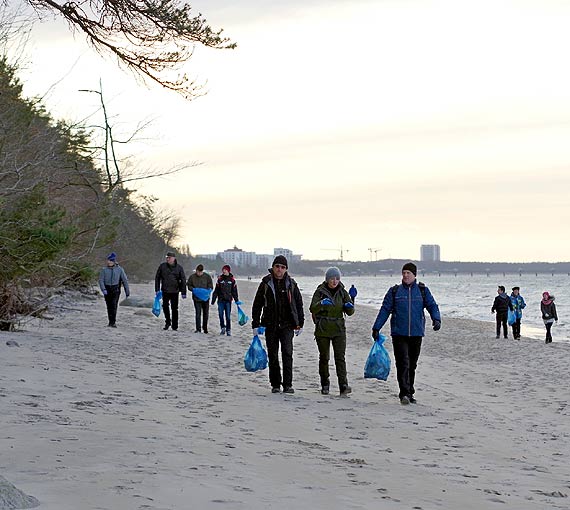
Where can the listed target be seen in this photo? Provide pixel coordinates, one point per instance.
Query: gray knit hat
(332, 272)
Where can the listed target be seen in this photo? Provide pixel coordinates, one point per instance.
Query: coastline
(142, 418)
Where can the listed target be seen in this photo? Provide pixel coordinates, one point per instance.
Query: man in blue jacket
(111, 277)
(406, 303)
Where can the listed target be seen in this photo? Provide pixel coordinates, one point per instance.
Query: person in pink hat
(225, 291)
(549, 315)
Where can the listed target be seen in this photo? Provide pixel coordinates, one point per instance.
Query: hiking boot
(413, 400)
(174, 329)
(166, 326)
(205, 331)
(288, 389)
(228, 332)
(497, 337)
(197, 331)
(112, 325)
(345, 390)
(223, 331)
(325, 389)
(405, 400)
(276, 389)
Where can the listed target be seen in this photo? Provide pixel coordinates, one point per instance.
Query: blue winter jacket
(518, 305)
(407, 310)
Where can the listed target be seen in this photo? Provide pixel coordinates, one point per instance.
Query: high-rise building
(430, 253)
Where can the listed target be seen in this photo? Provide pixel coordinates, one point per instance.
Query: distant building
(238, 258)
(430, 253)
(288, 254)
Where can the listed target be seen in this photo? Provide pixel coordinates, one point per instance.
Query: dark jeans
(502, 320)
(406, 352)
(273, 338)
(202, 309)
(225, 311)
(339, 347)
(170, 301)
(548, 333)
(517, 329)
(112, 302)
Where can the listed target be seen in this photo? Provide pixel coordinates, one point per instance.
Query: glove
(239, 303)
(436, 325)
(105, 292)
(298, 331)
(376, 334)
(261, 330)
(348, 306)
(326, 302)
(213, 301)
(183, 296)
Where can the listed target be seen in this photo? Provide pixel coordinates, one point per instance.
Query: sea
(470, 296)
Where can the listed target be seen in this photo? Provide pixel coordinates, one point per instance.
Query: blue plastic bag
(201, 294)
(156, 306)
(242, 317)
(255, 358)
(378, 362)
(512, 317)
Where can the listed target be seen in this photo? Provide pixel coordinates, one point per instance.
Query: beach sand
(141, 418)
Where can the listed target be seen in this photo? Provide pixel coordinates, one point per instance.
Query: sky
(361, 125)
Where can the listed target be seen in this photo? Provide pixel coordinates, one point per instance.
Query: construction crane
(375, 250)
(340, 250)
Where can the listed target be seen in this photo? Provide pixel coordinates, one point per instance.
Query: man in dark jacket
(278, 307)
(111, 277)
(200, 284)
(406, 303)
(502, 305)
(170, 278)
(225, 291)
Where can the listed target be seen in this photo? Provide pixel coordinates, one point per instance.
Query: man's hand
(298, 331)
(376, 334)
(436, 325)
(326, 302)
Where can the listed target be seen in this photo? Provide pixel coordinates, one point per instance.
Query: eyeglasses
(280, 266)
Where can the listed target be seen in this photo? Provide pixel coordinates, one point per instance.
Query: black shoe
(405, 400)
(112, 325)
(345, 390)
(288, 389)
(497, 337)
(166, 326)
(276, 389)
(325, 389)
(174, 329)
(205, 331)
(413, 400)
(197, 331)
(223, 331)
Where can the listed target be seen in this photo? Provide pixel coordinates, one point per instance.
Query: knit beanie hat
(410, 266)
(112, 256)
(280, 259)
(332, 272)
(227, 267)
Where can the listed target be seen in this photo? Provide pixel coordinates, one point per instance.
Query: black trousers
(517, 329)
(548, 339)
(170, 301)
(273, 339)
(502, 320)
(339, 348)
(202, 309)
(112, 302)
(406, 351)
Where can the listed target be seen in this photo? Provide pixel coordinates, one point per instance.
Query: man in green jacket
(330, 303)
(201, 285)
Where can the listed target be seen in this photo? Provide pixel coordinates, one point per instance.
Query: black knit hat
(410, 266)
(280, 259)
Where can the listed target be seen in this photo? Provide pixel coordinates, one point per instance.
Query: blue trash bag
(201, 294)
(156, 305)
(242, 317)
(255, 358)
(378, 362)
(512, 317)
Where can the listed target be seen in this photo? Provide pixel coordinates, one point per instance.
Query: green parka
(329, 319)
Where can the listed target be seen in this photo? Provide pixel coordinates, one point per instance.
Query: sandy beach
(141, 418)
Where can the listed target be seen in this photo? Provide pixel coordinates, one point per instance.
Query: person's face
(499, 291)
(170, 260)
(333, 282)
(110, 263)
(516, 292)
(279, 271)
(225, 272)
(199, 273)
(408, 277)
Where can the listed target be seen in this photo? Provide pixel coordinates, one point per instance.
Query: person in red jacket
(225, 291)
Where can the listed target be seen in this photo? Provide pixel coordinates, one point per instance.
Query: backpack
(422, 287)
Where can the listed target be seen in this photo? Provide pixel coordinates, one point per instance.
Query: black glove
(376, 334)
(436, 325)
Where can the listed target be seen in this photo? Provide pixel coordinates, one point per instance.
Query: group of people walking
(509, 309)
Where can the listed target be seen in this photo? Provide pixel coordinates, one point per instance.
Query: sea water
(469, 296)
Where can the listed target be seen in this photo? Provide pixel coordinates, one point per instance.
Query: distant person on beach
(352, 292)
(225, 291)
(502, 305)
(406, 303)
(111, 277)
(170, 278)
(518, 304)
(278, 307)
(330, 303)
(203, 284)
(549, 315)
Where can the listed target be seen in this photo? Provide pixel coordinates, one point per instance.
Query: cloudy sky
(361, 124)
